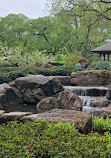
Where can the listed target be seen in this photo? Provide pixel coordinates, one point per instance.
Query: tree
(101, 7)
(89, 26)
(50, 35)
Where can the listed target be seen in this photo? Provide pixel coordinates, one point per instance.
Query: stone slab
(11, 116)
(81, 120)
(1, 112)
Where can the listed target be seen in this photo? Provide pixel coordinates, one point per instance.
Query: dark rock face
(91, 77)
(81, 120)
(62, 100)
(33, 89)
(9, 95)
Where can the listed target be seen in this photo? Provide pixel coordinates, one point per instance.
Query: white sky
(30, 8)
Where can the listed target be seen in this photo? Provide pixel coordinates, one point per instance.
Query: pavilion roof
(106, 48)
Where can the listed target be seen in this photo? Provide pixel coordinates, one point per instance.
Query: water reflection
(21, 108)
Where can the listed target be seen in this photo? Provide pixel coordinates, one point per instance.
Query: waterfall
(91, 96)
(87, 91)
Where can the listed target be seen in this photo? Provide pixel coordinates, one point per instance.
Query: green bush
(46, 140)
(8, 74)
(103, 65)
(101, 125)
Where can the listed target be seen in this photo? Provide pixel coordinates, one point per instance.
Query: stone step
(95, 101)
(88, 91)
(91, 78)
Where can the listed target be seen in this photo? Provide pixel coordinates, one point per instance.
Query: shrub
(46, 140)
(8, 74)
(103, 65)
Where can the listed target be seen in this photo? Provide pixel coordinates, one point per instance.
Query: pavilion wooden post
(104, 56)
(108, 57)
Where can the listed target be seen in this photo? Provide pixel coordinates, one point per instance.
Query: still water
(32, 108)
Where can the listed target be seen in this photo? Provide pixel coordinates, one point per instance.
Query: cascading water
(93, 98)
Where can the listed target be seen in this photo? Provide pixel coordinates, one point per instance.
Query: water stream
(93, 98)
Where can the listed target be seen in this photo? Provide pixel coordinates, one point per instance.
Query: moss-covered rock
(91, 77)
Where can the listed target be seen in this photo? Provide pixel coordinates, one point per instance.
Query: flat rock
(1, 112)
(29, 117)
(107, 110)
(64, 80)
(81, 120)
(11, 116)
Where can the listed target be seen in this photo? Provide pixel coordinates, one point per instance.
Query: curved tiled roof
(104, 48)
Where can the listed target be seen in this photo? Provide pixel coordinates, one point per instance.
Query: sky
(31, 8)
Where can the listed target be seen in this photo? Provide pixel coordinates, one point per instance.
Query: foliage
(14, 57)
(41, 139)
(59, 34)
(72, 59)
(101, 125)
(8, 74)
(103, 65)
(90, 28)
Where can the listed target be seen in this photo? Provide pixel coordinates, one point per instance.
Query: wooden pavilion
(103, 50)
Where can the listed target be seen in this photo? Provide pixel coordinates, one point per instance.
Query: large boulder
(69, 100)
(81, 120)
(91, 77)
(62, 100)
(33, 89)
(9, 95)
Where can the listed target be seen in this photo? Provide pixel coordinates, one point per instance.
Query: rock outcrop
(69, 100)
(62, 100)
(33, 89)
(9, 95)
(91, 77)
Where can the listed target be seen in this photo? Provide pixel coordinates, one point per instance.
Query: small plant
(101, 125)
